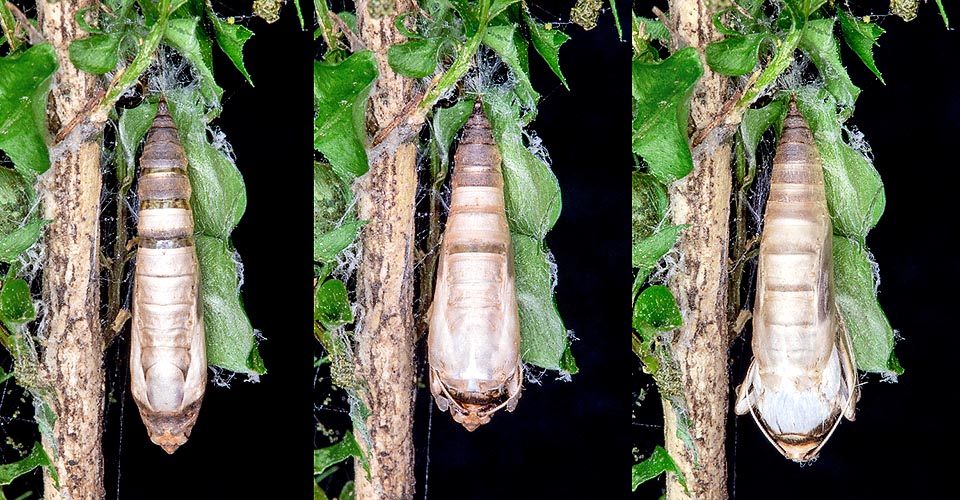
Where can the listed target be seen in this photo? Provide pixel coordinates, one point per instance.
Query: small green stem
(326, 24)
(778, 65)
(8, 26)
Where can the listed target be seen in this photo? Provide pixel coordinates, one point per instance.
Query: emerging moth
(803, 377)
(168, 362)
(474, 339)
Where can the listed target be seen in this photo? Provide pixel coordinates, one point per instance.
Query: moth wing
(850, 388)
(196, 376)
(138, 382)
(746, 395)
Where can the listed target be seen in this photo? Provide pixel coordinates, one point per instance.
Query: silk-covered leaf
(186, 35)
(543, 337)
(820, 44)
(15, 302)
(855, 193)
(327, 246)
(856, 296)
(231, 342)
(20, 239)
(510, 45)
(332, 304)
(219, 196)
(656, 308)
(531, 191)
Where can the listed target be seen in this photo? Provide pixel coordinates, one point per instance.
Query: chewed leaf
(861, 37)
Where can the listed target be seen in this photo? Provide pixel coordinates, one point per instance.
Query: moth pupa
(168, 364)
(803, 376)
(474, 335)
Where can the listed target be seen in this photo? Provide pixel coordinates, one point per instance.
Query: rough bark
(702, 199)
(73, 345)
(385, 341)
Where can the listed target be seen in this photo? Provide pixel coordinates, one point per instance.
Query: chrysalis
(474, 339)
(168, 364)
(803, 376)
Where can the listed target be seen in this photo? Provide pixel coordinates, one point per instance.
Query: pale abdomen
(474, 339)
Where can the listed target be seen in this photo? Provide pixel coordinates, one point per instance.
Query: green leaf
(755, 122)
(819, 43)
(188, 38)
(548, 42)
(95, 54)
(327, 246)
(16, 198)
(470, 16)
(653, 29)
(219, 195)
(861, 37)
(657, 463)
(348, 447)
(230, 337)
(332, 305)
(19, 240)
(543, 338)
(736, 55)
(24, 82)
(347, 492)
(567, 363)
(531, 191)
(133, 125)
(661, 95)
(318, 494)
(648, 205)
(854, 189)
(231, 38)
(648, 251)
(446, 123)
(340, 97)
(856, 297)
(330, 197)
(656, 307)
(36, 458)
(15, 302)
(415, 58)
(498, 6)
(509, 44)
